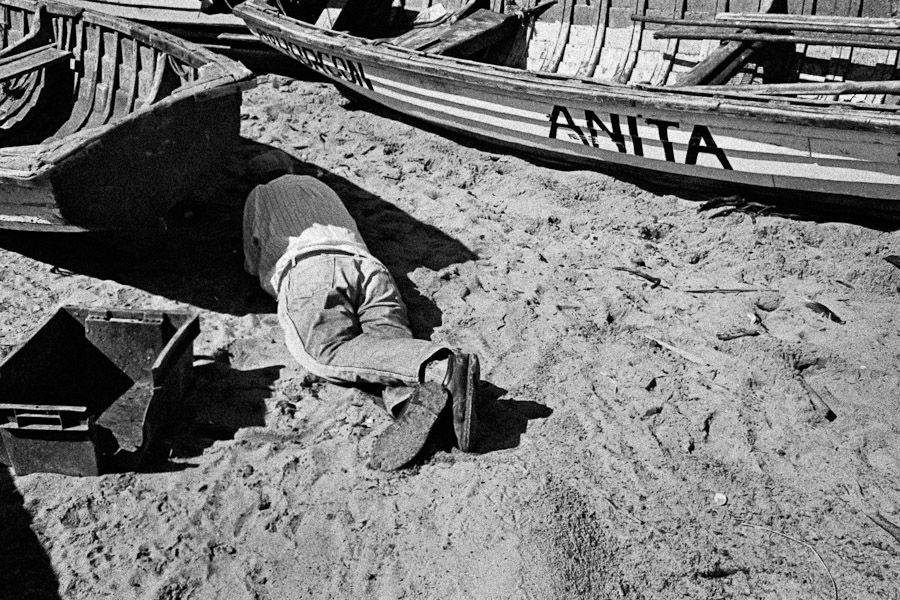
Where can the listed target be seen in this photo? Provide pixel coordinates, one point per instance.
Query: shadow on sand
(25, 570)
(222, 401)
(501, 423)
(201, 260)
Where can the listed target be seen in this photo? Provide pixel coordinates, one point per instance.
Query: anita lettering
(701, 140)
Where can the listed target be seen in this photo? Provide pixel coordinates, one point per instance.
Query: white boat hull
(723, 143)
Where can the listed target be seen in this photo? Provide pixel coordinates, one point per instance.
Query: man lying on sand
(344, 319)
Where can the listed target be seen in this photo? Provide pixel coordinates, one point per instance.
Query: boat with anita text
(780, 99)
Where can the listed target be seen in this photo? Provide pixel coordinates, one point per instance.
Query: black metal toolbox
(90, 388)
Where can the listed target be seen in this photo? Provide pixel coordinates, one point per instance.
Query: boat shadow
(874, 214)
(200, 262)
(25, 569)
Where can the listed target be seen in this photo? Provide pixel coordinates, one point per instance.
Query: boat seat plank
(465, 37)
(33, 60)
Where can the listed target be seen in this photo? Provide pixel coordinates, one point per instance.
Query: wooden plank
(112, 77)
(719, 64)
(588, 68)
(171, 15)
(847, 25)
(820, 20)
(581, 38)
(831, 88)
(810, 38)
(476, 32)
(128, 94)
(842, 55)
(665, 62)
(87, 85)
(464, 37)
(182, 5)
(33, 60)
(551, 65)
(623, 73)
(612, 53)
(723, 62)
(426, 33)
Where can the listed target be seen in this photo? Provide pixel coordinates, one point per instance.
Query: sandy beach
(665, 415)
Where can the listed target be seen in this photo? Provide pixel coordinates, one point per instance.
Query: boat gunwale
(160, 15)
(508, 79)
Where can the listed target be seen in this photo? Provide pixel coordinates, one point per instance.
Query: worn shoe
(462, 381)
(402, 441)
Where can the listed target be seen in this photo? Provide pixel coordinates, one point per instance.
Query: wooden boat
(795, 100)
(105, 124)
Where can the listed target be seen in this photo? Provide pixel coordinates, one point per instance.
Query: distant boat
(105, 124)
(800, 107)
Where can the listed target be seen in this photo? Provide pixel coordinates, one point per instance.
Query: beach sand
(640, 439)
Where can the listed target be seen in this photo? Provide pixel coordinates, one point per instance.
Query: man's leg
(344, 321)
(382, 312)
(327, 331)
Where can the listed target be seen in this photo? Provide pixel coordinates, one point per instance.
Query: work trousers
(344, 321)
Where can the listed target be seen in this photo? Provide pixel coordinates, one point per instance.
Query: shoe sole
(404, 439)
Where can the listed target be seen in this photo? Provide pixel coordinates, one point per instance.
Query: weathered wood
(32, 60)
(624, 70)
(565, 27)
(587, 70)
(822, 20)
(827, 88)
(95, 145)
(664, 66)
(720, 64)
(733, 136)
(730, 69)
(463, 37)
(811, 38)
(468, 36)
(846, 26)
(164, 12)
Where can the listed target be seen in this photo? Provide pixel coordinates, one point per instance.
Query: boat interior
(833, 51)
(61, 74)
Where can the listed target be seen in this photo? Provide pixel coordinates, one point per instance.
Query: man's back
(290, 216)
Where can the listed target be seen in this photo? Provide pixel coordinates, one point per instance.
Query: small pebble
(768, 302)
(720, 499)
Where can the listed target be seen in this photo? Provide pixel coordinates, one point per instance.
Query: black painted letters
(701, 140)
